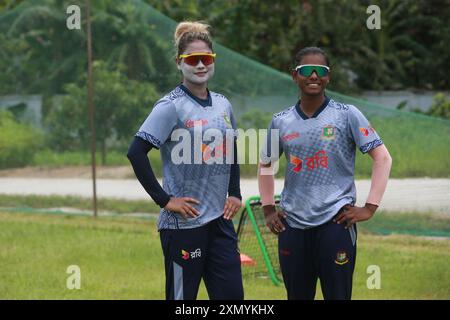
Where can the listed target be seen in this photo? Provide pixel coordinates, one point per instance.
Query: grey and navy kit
(208, 183)
(320, 154)
(319, 184)
(197, 142)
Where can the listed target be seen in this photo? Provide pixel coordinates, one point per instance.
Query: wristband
(372, 207)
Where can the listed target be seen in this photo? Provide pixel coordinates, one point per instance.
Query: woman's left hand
(350, 215)
(232, 206)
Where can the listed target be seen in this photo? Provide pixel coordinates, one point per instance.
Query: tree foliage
(410, 50)
(120, 105)
(18, 142)
(440, 107)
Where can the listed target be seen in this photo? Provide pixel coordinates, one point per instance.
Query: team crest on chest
(328, 132)
(227, 120)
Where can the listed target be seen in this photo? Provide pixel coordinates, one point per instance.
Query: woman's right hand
(182, 206)
(273, 219)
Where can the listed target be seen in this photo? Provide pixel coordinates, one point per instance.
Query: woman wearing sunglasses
(200, 195)
(316, 225)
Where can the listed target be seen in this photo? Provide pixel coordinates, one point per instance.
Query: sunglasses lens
(307, 71)
(193, 60)
(321, 71)
(207, 60)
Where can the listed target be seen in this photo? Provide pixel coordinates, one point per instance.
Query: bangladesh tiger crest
(328, 132)
(341, 258)
(227, 120)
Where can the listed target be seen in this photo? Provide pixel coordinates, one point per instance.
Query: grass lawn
(121, 258)
(103, 204)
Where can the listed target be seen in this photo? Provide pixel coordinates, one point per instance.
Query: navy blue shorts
(326, 252)
(209, 252)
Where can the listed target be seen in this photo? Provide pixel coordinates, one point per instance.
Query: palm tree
(51, 55)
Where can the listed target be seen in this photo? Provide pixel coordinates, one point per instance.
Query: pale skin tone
(195, 78)
(312, 96)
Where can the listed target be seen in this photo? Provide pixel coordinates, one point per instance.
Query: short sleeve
(271, 149)
(159, 124)
(233, 119)
(362, 133)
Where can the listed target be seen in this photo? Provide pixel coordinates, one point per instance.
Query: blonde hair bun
(195, 27)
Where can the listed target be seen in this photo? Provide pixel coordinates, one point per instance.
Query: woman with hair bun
(194, 129)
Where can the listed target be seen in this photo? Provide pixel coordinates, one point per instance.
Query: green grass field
(121, 258)
(104, 204)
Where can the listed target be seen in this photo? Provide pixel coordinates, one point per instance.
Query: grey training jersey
(194, 157)
(320, 153)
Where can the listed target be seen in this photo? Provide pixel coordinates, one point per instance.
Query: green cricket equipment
(257, 244)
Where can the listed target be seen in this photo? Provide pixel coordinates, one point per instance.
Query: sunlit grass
(122, 259)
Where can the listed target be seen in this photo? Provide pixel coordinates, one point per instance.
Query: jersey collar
(321, 108)
(203, 102)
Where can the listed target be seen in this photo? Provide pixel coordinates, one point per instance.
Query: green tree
(254, 119)
(50, 55)
(9, 4)
(440, 107)
(125, 38)
(12, 75)
(18, 142)
(120, 106)
(410, 50)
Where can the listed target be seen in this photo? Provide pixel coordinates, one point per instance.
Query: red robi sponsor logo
(364, 131)
(192, 123)
(290, 136)
(318, 160)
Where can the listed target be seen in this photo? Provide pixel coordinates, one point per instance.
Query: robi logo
(364, 131)
(297, 162)
(218, 151)
(319, 160)
(184, 255)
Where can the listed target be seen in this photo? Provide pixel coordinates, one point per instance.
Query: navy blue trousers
(209, 252)
(326, 252)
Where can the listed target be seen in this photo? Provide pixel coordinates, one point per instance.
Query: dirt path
(401, 194)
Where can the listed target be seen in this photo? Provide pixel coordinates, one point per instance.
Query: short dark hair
(308, 51)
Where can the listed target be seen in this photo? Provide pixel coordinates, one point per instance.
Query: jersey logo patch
(184, 255)
(279, 114)
(319, 160)
(290, 136)
(216, 151)
(227, 120)
(191, 255)
(364, 131)
(193, 123)
(328, 132)
(341, 258)
(297, 162)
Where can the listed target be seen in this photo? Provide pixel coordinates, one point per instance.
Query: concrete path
(401, 194)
